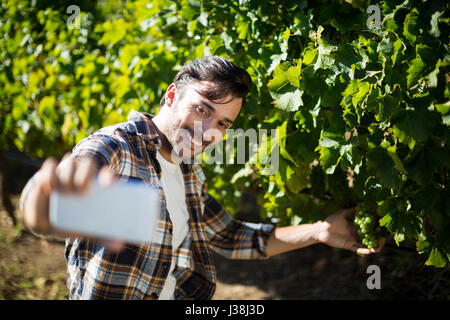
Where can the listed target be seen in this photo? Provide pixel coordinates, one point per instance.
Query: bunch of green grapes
(365, 223)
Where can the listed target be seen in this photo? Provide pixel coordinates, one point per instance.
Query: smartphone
(126, 212)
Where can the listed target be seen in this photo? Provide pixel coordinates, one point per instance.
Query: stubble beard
(180, 145)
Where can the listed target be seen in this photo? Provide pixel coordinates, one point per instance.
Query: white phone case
(124, 211)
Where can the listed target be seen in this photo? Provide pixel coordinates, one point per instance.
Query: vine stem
(4, 193)
(402, 248)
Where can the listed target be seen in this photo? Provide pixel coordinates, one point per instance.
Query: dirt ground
(33, 268)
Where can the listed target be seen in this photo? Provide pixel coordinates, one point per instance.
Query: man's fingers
(66, 156)
(360, 249)
(36, 205)
(66, 172)
(84, 175)
(365, 251)
(106, 177)
(348, 244)
(381, 243)
(48, 177)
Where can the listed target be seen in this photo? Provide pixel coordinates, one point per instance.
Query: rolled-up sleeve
(233, 238)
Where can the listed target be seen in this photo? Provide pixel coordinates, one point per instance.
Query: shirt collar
(145, 128)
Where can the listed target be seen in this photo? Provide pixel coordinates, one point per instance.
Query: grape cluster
(365, 222)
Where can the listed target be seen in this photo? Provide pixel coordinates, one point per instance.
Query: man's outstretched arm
(334, 231)
(68, 177)
(93, 157)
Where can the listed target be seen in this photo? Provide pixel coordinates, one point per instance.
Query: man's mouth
(194, 141)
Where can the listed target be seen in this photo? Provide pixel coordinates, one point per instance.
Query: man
(199, 106)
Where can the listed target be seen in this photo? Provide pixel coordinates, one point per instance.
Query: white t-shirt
(173, 186)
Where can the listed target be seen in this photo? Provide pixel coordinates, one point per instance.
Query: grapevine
(359, 113)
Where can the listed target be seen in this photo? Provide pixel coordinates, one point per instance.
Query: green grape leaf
(398, 222)
(243, 30)
(424, 162)
(282, 134)
(446, 119)
(443, 108)
(437, 258)
(392, 151)
(115, 31)
(386, 47)
(309, 57)
(399, 237)
(280, 78)
(382, 166)
(414, 126)
(299, 180)
(288, 99)
(329, 159)
(325, 60)
(410, 27)
(363, 91)
(434, 23)
(427, 54)
(293, 74)
(332, 148)
(423, 244)
(415, 71)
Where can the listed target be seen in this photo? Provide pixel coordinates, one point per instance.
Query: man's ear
(170, 94)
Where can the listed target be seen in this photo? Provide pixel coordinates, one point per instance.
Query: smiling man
(203, 101)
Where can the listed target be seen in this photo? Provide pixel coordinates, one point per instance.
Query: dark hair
(229, 79)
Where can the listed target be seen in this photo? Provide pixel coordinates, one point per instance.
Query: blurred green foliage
(362, 114)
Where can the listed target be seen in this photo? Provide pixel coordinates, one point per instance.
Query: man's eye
(201, 110)
(223, 125)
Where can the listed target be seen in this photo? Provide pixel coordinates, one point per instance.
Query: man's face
(195, 122)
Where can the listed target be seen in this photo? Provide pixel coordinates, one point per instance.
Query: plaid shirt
(139, 272)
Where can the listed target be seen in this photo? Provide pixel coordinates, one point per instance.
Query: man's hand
(337, 232)
(69, 176)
